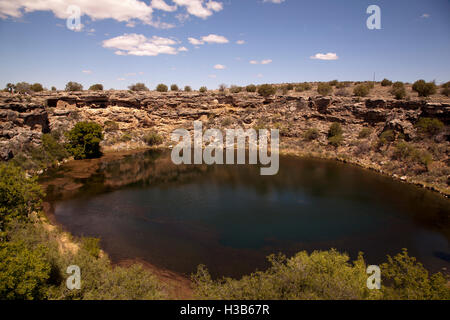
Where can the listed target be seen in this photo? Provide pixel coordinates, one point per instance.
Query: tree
(203, 89)
(53, 88)
(37, 87)
(23, 87)
(424, 89)
(398, 90)
(23, 272)
(96, 87)
(84, 140)
(187, 89)
(361, 90)
(74, 86)
(10, 87)
(250, 88)
(324, 88)
(19, 195)
(161, 88)
(222, 87)
(138, 87)
(266, 90)
(386, 83)
(174, 87)
(446, 89)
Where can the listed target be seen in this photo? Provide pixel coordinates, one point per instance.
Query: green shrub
(111, 126)
(387, 136)
(174, 87)
(303, 87)
(74, 86)
(203, 89)
(364, 133)
(153, 139)
(37, 87)
(53, 88)
(424, 89)
(289, 87)
(162, 88)
(22, 87)
(187, 89)
(386, 83)
(125, 137)
(53, 148)
(91, 245)
(222, 87)
(405, 151)
(324, 89)
(138, 87)
(446, 89)
(335, 141)
(335, 130)
(23, 272)
(19, 195)
(431, 126)
(96, 87)
(398, 90)
(250, 88)
(361, 90)
(333, 83)
(235, 89)
(266, 90)
(84, 140)
(311, 134)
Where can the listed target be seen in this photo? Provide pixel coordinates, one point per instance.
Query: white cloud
(120, 79)
(212, 38)
(267, 61)
(182, 49)
(162, 5)
(274, 1)
(219, 67)
(87, 71)
(197, 8)
(240, 42)
(212, 76)
(425, 16)
(139, 45)
(327, 56)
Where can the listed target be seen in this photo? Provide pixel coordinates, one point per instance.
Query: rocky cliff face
(127, 116)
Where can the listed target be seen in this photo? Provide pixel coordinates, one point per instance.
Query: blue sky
(194, 42)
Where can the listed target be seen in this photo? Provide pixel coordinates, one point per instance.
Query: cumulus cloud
(162, 5)
(182, 49)
(198, 8)
(267, 61)
(240, 42)
(325, 56)
(219, 67)
(195, 42)
(212, 38)
(139, 45)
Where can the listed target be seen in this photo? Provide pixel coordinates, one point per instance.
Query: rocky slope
(128, 116)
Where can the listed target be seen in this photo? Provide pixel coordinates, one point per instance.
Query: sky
(209, 42)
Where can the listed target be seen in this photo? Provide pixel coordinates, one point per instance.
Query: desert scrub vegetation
(410, 154)
(222, 88)
(311, 134)
(96, 87)
(84, 140)
(250, 88)
(203, 89)
(398, 90)
(445, 89)
(187, 89)
(235, 89)
(174, 87)
(152, 138)
(305, 86)
(324, 89)
(37, 87)
(361, 90)
(423, 88)
(325, 275)
(364, 133)
(111, 126)
(266, 90)
(73, 86)
(162, 88)
(429, 126)
(387, 136)
(386, 82)
(335, 132)
(138, 87)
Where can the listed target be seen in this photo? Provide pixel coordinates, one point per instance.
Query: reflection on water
(230, 218)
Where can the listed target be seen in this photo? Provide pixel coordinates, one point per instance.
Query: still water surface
(230, 218)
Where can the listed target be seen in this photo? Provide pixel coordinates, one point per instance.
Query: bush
(289, 87)
(111, 126)
(138, 87)
(222, 87)
(73, 86)
(446, 89)
(23, 272)
(387, 136)
(405, 151)
(22, 87)
(386, 83)
(53, 88)
(162, 88)
(342, 93)
(333, 83)
(153, 139)
(361, 90)
(203, 89)
(52, 147)
(324, 89)
(335, 141)
(364, 133)
(250, 88)
(335, 130)
(96, 87)
(429, 126)
(235, 89)
(187, 89)
(311, 134)
(398, 90)
(424, 89)
(174, 87)
(84, 140)
(37, 87)
(303, 87)
(266, 90)
(91, 245)
(19, 195)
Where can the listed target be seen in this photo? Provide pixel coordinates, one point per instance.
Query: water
(230, 218)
